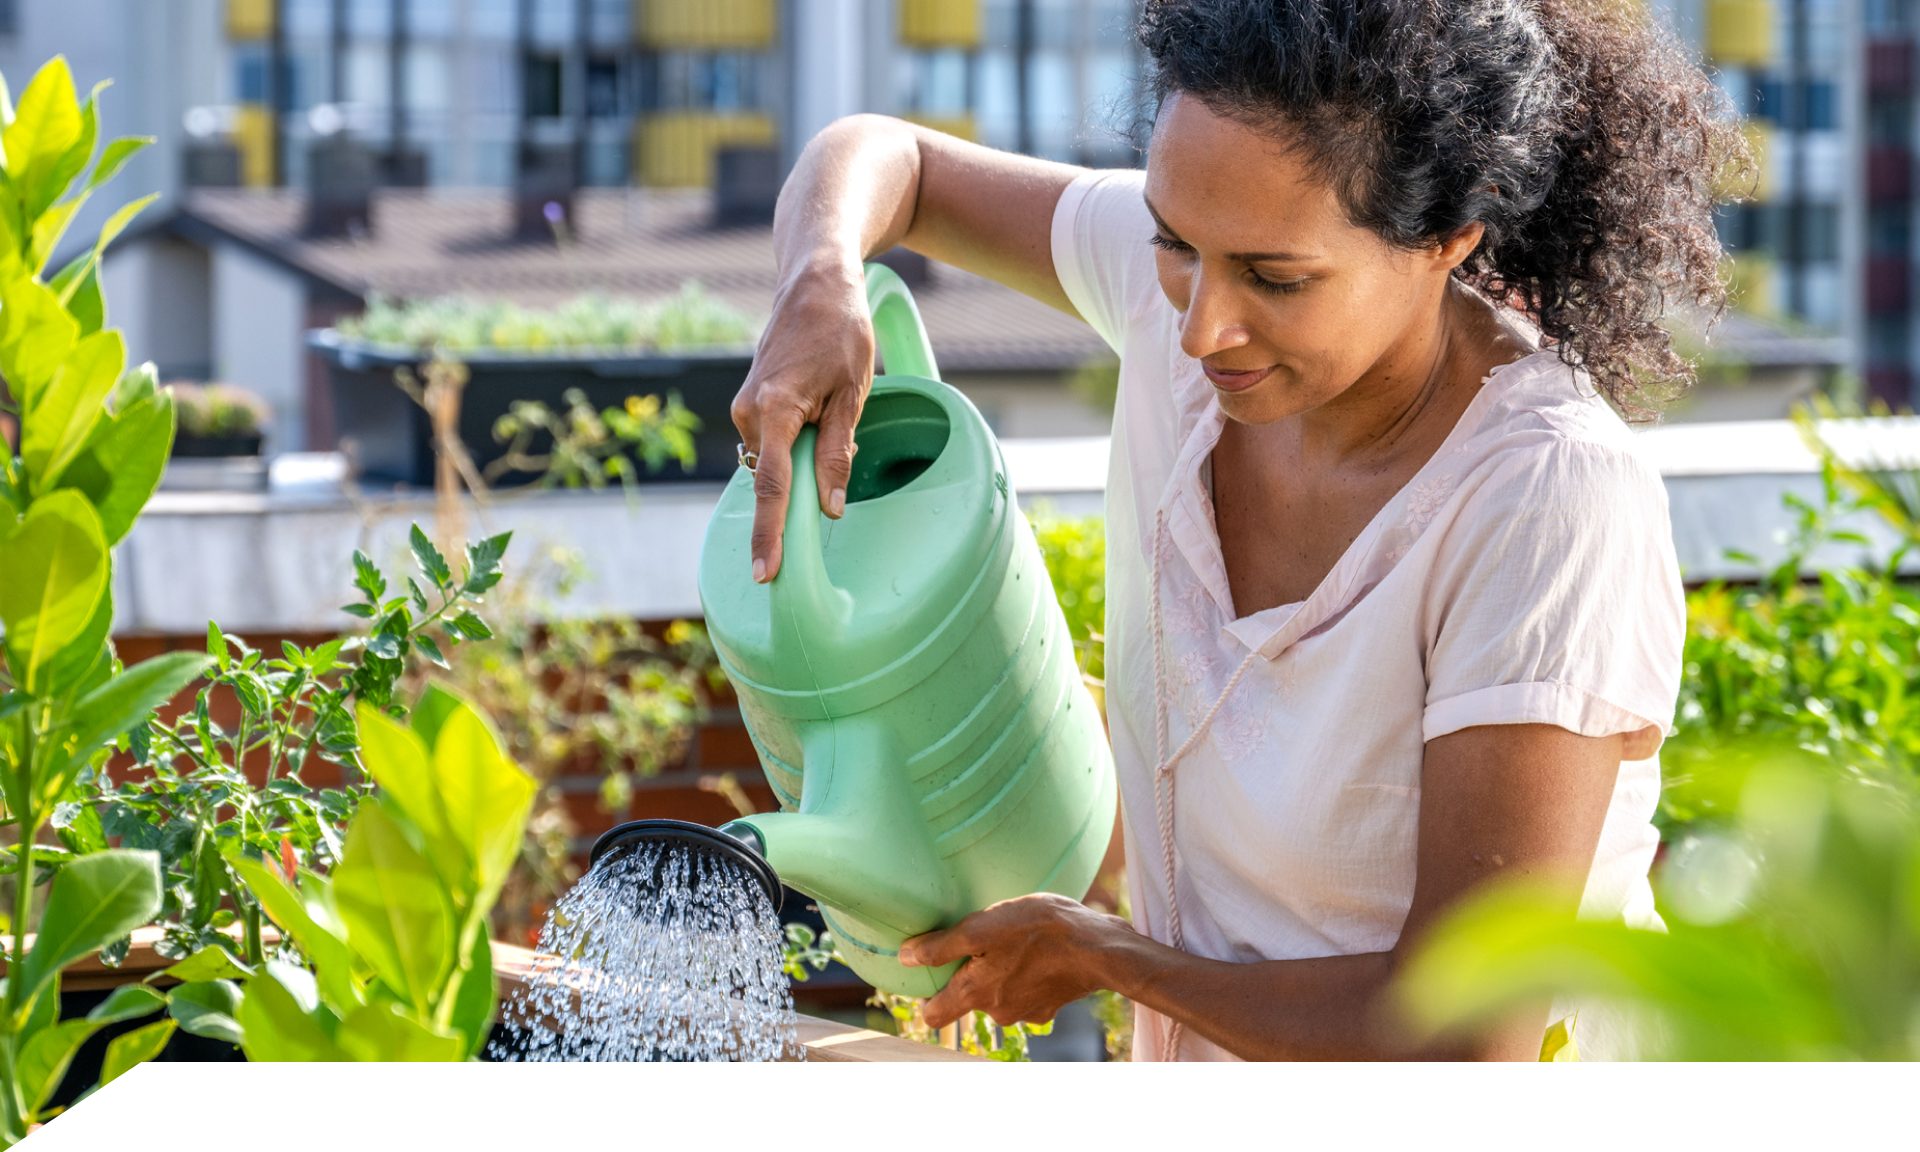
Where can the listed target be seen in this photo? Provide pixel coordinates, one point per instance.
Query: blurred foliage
(1097, 382)
(1793, 927)
(1075, 551)
(692, 319)
(208, 410)
(578, 697)
(586, 449)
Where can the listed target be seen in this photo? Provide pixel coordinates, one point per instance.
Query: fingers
(936, 949)
(772, 481)
(833, 452)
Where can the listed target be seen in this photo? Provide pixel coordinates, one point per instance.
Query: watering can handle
(897, 329)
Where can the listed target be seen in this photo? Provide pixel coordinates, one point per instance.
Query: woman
(1392, 603)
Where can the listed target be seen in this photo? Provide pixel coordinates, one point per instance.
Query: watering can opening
(697, 839)
(900, 435)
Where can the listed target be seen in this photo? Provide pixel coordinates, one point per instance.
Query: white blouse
(1526, 574)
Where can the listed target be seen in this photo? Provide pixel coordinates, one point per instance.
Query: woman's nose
(1209, 324)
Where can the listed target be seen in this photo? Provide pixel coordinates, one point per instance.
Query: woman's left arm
(1511, 800)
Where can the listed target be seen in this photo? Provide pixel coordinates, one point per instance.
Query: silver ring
(748, 460)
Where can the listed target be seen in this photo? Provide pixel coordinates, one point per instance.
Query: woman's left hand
(1025, 958)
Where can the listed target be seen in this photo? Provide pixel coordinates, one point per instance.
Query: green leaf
(122, 464)
(128, 1002)
(125, 700)
(469, 627)
(210, 963)
(46, 126)
(431, 710)
(44, 1059)
(210, 1009)
(64, 415)
(399, 762)
(136, 1047)
(474, 1003)
(483, 563)
(431, 561)
(54, 577)
(96, 900)
(485, 798)
(80, 658)
(397, 914)
(314, 926)
(36, 334)
(367, 577)
(114, 157)
(283, 1020)
(431, 649)
(384, 1032)
(217, 646)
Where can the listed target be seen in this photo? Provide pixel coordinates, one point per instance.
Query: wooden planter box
(392, 436)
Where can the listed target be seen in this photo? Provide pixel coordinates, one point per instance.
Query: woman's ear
(1454, 250)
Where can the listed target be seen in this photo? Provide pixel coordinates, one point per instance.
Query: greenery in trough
(589, 324)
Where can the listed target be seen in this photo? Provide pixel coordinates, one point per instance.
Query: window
(9, 17)
(542, 92)
(603, 88)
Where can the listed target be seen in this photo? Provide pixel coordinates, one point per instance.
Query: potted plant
(217, 420)
(689, 347)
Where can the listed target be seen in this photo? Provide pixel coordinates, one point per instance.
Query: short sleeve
(1556, 597)
(1102, 251)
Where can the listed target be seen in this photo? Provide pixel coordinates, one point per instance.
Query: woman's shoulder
(1546, 438)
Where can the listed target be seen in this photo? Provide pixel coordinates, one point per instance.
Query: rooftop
(638, 243)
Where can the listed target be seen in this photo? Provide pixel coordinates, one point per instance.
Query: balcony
(1889, 67)
(1887, 284)
(1889, 173)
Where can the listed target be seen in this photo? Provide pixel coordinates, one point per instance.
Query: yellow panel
(249, 19)
(253, 135)
(1750, 283)
(961, 126)
(940, 23)
(708, 24)
(1740, 31)
(1754, 184)
(675, 149)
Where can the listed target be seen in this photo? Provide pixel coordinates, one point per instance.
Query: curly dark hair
(1581, 135)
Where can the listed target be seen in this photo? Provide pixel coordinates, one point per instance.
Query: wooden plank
(90, 974)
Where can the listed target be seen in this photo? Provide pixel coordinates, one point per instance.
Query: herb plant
(457, 324)
(195, 805)
(587, 449)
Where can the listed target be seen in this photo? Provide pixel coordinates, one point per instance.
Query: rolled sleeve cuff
(1562, 705)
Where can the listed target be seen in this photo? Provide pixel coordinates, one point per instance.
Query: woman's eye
(1169, 244)
(1277, 287)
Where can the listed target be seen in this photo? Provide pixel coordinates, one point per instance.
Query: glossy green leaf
(478, 996)
(323, 942)
(399, 762)
(283, 1020)
(126, 700)
(210, 1009)
(96, 900)
(384, 1032)
(44, 1059)
(73, 402)
(46, 126)
(485, 799)
(210, 963)
(431, 710)
(128, 1002)
(54, 577)
(74, 663)
(397, 915)
(114, 157)
(36, 334)
(136, 1047)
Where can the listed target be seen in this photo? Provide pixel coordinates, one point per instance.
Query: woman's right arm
(864, 185)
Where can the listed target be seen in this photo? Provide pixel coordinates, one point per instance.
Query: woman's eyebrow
(1241, 257)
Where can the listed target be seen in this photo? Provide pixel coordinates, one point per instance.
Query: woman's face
(1285, 302)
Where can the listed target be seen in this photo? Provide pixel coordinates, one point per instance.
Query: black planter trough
(392, 436)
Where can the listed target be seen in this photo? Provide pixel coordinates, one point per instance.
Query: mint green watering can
(907, 678)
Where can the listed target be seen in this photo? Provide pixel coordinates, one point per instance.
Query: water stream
(658, 953)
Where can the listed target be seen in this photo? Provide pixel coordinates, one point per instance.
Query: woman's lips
(1228, 381)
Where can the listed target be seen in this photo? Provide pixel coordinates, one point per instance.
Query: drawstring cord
(1163, 770)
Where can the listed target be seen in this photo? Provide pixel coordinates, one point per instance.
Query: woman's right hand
(814, 366)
